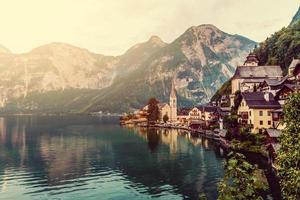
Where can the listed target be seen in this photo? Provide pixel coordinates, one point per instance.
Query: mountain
(56, 66)
(199, 61)
(296, 17)
(62, 78)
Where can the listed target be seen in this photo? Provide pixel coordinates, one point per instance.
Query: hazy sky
(112, 26)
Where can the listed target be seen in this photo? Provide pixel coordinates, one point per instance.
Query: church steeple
(173, 103)
(173, 91)
(251, 60)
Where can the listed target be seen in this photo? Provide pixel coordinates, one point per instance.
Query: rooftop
(272, 71)
(208, 108)
(259, 100)
(275, 133)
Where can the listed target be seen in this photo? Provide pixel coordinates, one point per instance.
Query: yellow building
(256, 110)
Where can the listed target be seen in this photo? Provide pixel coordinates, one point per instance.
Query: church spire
(173, 103)
(173, 90)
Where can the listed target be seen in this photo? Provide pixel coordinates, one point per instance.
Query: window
(249, 113)
(269, 113)
(260, 113)
(261, 122)
(269, 122)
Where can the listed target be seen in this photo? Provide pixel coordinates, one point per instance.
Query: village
(258, 95)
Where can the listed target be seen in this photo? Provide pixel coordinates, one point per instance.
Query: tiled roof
(275, 82)
(258, 71)
(208, 108)
(257, 100)
(273, 132)
(276, 146)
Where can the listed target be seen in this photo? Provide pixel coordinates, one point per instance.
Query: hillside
(296, 17)
(281, 47)
(62, 78)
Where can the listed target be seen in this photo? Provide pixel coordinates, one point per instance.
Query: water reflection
(83, 157)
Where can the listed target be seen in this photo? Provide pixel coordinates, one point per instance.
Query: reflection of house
(256, 110)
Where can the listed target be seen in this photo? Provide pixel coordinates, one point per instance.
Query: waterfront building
(255, 110)
(183, 115)
(164, 109)
(208, 114)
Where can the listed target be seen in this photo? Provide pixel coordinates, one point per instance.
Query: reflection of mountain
(60, 157)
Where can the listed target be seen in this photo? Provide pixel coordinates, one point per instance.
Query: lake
(89, 157)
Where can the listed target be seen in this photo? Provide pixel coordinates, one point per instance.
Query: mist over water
(86, 157)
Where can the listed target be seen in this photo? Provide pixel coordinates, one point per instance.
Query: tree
(165, 118)
(240, 181)
(288, 158)
(153, 110)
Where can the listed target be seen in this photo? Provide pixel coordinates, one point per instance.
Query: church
(169, 109)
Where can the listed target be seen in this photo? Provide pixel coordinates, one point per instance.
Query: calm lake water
(85, 157)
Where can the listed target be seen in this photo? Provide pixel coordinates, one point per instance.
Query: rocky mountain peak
(154, 39)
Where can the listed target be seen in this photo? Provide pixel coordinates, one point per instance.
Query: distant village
(258, 94)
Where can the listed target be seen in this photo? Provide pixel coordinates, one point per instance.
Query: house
(256, 110)
(183, 115)
(164, 109)
(282, 94)
(195, 114)
(249, 76)
(208, 114)
(273, 85)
